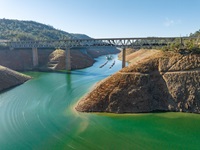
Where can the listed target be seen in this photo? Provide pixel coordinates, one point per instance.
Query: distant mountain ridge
(17, 30)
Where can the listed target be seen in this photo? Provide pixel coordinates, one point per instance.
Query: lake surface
(40, 115)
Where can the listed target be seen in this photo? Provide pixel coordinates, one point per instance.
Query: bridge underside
(68, 59)
(35, 57)
(114, 42)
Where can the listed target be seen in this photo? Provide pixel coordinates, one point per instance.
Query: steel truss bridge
(117, 42)
(104, 42)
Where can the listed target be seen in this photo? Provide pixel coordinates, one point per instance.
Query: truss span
(117, 42)
(107, 42)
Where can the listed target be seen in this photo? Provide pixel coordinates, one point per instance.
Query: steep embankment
(10, 78)
(160, 82)
(136, 56)
(128, 52)
(79, 58)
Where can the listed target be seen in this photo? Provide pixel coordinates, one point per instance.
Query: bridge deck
(117, 42)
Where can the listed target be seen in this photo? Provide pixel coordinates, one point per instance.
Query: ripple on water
(40, 115)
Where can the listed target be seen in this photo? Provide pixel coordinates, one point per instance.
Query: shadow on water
(81, 73)
(69, 81)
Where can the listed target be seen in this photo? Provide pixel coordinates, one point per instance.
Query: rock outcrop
(159, 82)
(57, 59)
(10, 78)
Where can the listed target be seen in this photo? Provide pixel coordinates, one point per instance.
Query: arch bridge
(122, 43)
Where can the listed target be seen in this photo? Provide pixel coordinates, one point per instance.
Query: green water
(40, 115)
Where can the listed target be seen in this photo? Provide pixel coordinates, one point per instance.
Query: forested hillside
(16, 30)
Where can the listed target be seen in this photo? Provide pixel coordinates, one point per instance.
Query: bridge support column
(123, 57)
(181, 42)
(35, 57)
(68, 59)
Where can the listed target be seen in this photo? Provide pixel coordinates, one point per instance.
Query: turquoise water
(40, 115)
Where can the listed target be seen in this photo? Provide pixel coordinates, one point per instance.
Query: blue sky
(110, 18)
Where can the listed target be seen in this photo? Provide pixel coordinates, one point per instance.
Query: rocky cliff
(10, 78)
(158, 82)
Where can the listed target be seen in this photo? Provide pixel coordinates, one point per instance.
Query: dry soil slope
(78, 59)
(158, 82)
(10, 78)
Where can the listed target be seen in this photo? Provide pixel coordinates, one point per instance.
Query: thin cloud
(170, 22)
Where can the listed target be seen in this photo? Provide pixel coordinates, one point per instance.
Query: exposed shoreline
(10, 78)
(159, 82)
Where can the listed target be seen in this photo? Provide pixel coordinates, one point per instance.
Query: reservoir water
(40, 115)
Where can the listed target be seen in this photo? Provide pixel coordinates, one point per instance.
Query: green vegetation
(184, 46)
(16, 30)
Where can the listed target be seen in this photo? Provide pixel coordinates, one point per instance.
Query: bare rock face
(160, 82)
(78, 60)
(10, 78)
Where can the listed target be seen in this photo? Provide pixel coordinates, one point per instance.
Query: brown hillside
(160, 82)
(78, 59)
(10, 78)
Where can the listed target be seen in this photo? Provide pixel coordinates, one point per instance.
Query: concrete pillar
(68, 59)
(181, 42)
(123, 57)
(35, 57)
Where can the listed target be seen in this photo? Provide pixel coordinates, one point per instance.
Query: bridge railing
(117, 42)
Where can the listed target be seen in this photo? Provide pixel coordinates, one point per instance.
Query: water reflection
(40, 115)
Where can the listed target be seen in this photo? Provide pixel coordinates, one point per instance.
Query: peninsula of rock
(156, 81)
(10, 78)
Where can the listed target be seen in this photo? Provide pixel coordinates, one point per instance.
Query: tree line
(16, 30)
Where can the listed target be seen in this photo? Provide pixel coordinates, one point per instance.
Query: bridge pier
(123, 57)
(35, 57)
(68, 59)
